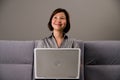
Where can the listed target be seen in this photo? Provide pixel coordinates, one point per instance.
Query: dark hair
(58, 10)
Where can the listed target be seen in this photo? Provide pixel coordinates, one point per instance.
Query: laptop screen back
(57, 63)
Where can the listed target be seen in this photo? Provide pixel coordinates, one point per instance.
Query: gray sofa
(100, 60)
(16, 59)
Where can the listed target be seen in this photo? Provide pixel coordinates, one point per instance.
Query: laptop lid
(57, 63)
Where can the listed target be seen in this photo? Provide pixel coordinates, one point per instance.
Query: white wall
(90, 19)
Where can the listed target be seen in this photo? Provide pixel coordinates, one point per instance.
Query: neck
(59, 37)
(58, 34)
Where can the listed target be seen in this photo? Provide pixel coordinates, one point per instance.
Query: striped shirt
(50, 42)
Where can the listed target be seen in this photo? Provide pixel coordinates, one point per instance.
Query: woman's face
(59, 21)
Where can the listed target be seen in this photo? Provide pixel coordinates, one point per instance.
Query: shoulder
(75, 42)
(40, 43)
(43, 43)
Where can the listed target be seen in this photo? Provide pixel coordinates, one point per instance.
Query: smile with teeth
(58, 24)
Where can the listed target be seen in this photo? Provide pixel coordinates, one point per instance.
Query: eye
(62, 18)
(55, 17)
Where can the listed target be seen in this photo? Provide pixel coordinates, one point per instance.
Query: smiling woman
(59, 24)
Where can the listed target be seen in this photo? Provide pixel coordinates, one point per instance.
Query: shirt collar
(52, 36)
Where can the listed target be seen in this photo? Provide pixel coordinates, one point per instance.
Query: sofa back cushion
(102, 60)
(16, 59)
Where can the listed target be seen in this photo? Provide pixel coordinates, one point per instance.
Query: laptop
(57, 63)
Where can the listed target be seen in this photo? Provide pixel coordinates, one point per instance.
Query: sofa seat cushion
(102, 72)
(15, 71)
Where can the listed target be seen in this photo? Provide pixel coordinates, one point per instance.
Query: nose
(58, 20)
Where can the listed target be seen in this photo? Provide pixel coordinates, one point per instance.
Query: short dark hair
(58, 10)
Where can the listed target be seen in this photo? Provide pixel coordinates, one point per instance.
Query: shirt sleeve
(76, 44)
(40, 44)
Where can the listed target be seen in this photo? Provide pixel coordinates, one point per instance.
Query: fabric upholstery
(102, 60)
(16, 59)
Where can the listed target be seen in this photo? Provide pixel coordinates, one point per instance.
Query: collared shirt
(50, 42)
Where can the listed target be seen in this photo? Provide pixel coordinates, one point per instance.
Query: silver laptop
(57, 63)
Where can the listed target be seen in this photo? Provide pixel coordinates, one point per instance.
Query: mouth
(58, 24)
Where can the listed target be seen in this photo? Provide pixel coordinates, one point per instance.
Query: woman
(59, 24)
